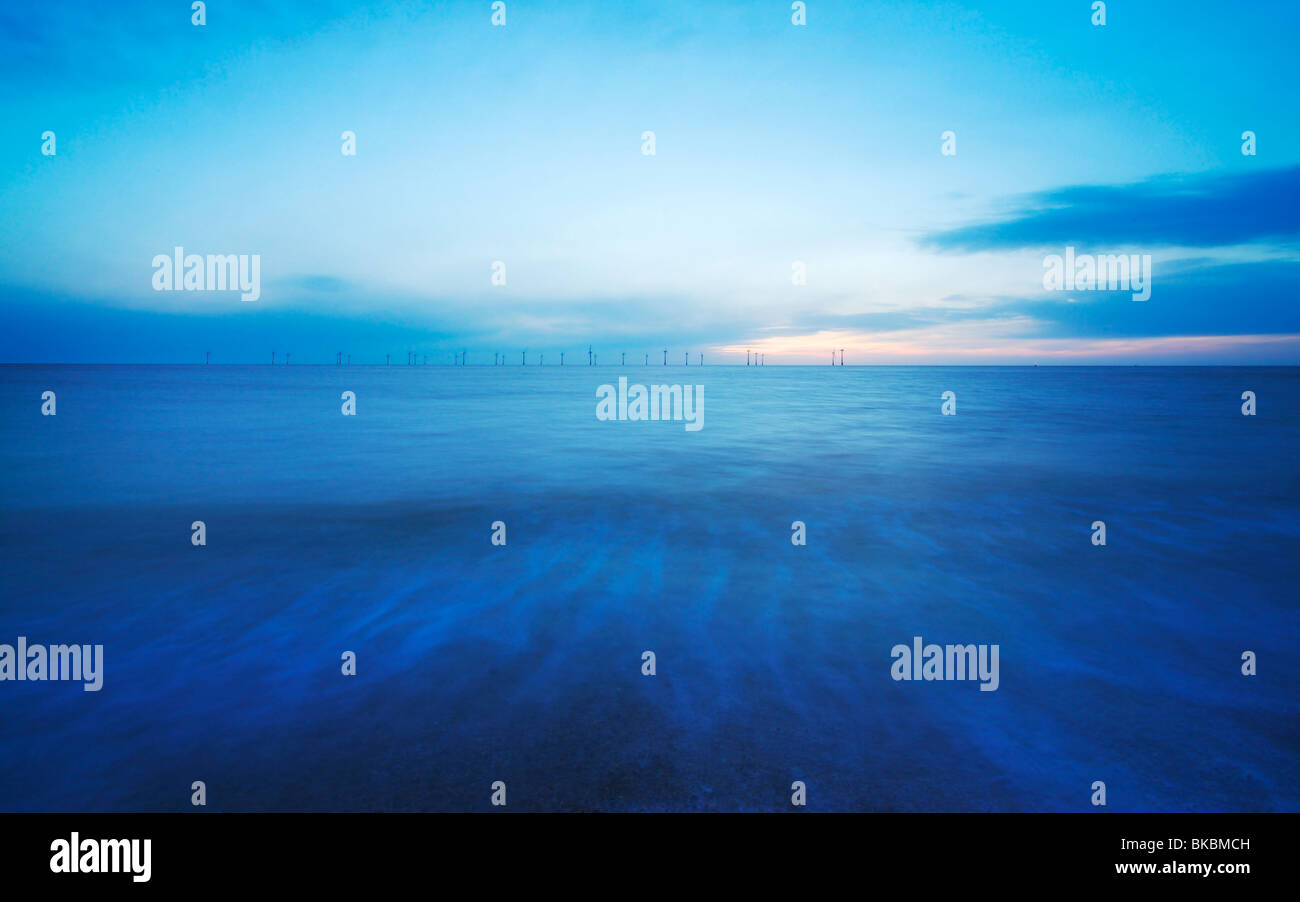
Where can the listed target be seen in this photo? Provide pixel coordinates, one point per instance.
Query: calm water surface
(478, 663)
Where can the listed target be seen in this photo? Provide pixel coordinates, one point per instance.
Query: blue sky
(774, 144)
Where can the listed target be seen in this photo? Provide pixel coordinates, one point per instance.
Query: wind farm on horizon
(461, 358)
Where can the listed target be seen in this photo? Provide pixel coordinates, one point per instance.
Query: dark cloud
(1194, 296)
(43, 328)
(1220, 299)
(1191, 211)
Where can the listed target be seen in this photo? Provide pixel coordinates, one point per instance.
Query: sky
(776, 146)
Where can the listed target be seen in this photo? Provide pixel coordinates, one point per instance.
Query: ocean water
(522, 663)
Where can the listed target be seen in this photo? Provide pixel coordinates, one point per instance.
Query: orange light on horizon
(916, 346)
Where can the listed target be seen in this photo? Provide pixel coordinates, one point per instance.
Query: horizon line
(652, 366)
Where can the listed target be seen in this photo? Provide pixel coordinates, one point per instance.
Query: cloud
(1201, 310)
(316, 283)
(43, 327)
(1206, 210)
(1220, 299)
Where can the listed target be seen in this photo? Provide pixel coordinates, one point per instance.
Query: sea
(524, 661)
